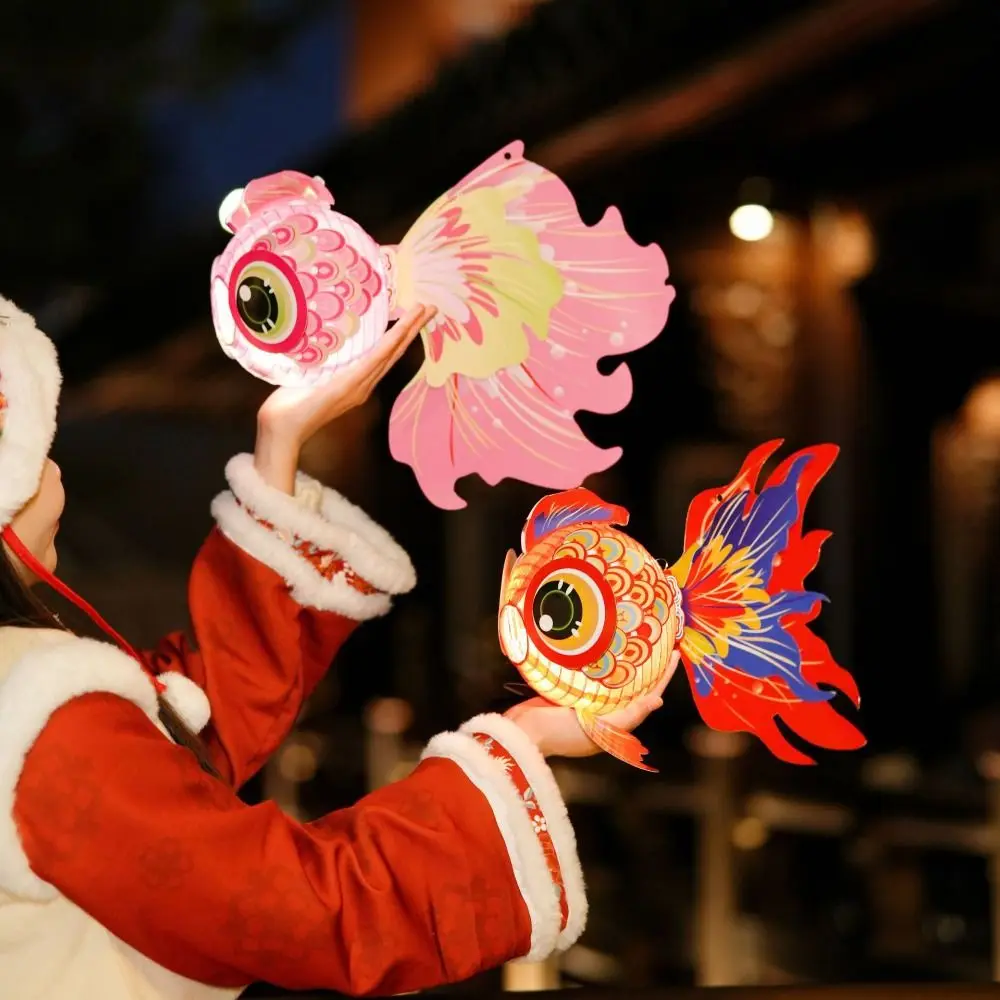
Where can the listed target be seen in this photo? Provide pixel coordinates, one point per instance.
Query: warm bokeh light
(982, 408)
(751, 223)
(389, 716)
(891, 772)
(750, 834)
(298, 761)
(848, 242)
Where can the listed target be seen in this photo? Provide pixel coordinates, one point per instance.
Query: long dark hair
(20, 606)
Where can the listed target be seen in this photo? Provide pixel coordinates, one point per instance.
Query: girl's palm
(557, 732)
(295, 414)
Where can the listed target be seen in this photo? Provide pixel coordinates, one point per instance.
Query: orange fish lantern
(590, 618)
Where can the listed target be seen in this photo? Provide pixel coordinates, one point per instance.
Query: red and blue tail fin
(747, 647)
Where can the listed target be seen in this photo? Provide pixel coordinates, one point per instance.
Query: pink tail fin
(529, 299)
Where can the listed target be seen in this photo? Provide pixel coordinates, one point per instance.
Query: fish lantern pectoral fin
(613, 740)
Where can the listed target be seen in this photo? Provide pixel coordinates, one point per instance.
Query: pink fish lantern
(529, 299)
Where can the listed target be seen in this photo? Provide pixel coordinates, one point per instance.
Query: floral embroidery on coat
(538, 822)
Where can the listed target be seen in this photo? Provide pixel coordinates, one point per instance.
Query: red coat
(467, 863)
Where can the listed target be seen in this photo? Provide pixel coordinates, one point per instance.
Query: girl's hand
(290, 415)
(557, 733)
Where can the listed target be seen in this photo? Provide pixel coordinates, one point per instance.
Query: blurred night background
(868, 316)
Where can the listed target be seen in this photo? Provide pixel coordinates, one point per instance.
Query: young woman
(130, 869)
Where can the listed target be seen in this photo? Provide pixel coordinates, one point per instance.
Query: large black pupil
(257, 304)
(558, 607)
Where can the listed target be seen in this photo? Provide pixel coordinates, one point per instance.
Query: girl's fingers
(395, 344)
(631, 717)
(402, 333)
(405, 331)
(667, 675)
(635, 714)
(402, 344)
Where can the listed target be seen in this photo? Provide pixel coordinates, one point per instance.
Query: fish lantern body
(301, 289)
(529, 298)
(589, 618)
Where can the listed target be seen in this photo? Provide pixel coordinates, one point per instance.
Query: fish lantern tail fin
(529, 298)
(747, 647)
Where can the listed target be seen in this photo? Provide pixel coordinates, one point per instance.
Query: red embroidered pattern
(535, 814)
(328, 564)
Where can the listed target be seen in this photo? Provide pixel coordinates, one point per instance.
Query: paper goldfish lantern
(589, 618)
(529, 298)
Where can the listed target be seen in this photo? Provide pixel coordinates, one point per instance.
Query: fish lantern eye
(570, 613)
(267, 302)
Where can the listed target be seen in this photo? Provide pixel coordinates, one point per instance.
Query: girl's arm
(467, 863)
(288, 575)
(275, 591)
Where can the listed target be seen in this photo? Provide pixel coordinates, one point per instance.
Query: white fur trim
(39, 683)
(324, 518)
(530, 869)
(307, 586)
(186, 699)
(338, 525)
(517, 743)
(30, 381)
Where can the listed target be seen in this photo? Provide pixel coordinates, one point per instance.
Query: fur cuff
(41, 682)
(525, 850)
(29, 387)
(320, 518)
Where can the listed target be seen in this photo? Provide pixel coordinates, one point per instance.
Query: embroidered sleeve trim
(551, 805)
(500, 760)
(538, 822)
(326, 563)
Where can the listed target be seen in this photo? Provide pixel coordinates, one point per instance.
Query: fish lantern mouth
(513, 635)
